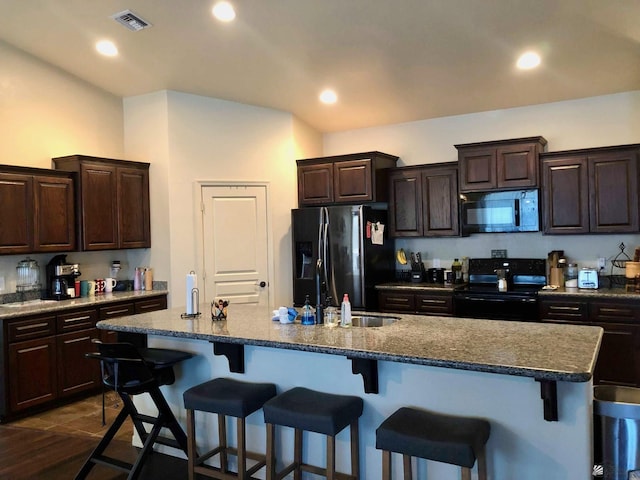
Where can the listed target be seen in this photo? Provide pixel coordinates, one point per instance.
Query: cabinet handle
(571, 309)
(116, 312)
(439, 302)
(32, 326)
(76, 340)
(77, 319)
(398, 299)
(149, 305)
(616, 310)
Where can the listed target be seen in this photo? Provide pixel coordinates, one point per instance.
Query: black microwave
(492, 212)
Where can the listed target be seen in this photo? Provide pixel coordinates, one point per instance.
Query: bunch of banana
(401, 257)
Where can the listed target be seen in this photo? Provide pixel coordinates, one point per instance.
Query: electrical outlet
(602, 262)
(2, 284)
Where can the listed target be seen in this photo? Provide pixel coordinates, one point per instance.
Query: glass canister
(571, 275)
(28, 272)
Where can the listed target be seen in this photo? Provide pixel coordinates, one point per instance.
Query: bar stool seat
(130, 371)
(225, 397)
(432, 436)
(309, 410)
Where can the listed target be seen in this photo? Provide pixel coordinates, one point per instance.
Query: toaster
(588, 278)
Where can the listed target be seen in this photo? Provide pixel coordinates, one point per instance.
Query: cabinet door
(352, 181)
(16, 213)
(151, 304)
(392, 301)
(99, 207)
(613, 188)
(565, 195)
(431, 304)
(440, 202)
(32, 367)
(54, 222)
(405, 204)
(76, 373)
(477, 169)
(564, 311)
(315, 184)
(619, 358)
(134, 229)
(517, 166)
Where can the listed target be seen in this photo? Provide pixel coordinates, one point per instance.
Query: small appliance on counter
(61, 278)
(435, 275)
(588, 278)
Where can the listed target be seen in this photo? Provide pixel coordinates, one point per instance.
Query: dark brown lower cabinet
(619, 357)
(45, 354)
(427, 302)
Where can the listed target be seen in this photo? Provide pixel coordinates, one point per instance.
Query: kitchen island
(531, 381)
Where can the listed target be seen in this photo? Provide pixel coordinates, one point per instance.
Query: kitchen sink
(372, 320)
(27, 303)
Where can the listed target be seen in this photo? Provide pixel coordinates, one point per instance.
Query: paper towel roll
(192, 282)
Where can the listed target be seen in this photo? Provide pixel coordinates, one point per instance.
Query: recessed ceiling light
(224, 11)
(528, 60)
(107, 48)
(328, 96)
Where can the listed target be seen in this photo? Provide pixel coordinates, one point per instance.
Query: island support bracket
(369, 370)
(549, 395)
(234, 353)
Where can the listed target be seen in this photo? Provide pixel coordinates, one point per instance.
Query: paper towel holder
(195, 301)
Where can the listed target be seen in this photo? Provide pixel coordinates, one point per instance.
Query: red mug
(100, 285)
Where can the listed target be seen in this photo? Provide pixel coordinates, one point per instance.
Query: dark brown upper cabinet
(37, 213)
(500, 165)
(112, 202)
(591, 190)
(423, 201)
(344, 179)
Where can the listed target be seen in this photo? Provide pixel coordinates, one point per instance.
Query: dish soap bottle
(456, 269)
(308, 315)
(345, 311)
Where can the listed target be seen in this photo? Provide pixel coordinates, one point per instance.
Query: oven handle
(471, 298)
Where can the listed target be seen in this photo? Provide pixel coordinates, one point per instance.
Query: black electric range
(481, 297)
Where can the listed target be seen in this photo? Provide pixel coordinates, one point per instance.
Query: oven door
(496, 306)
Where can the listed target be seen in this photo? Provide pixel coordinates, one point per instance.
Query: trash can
(619, 412)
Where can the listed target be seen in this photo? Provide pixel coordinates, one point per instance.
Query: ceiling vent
(130, 20)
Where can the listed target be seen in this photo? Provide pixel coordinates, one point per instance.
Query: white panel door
(235, 243)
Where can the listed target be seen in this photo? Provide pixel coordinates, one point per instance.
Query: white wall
(190, 139)
(591, 122)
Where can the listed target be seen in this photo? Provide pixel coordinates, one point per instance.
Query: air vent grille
(130, 20)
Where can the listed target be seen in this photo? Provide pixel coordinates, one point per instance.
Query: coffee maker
(61, 278)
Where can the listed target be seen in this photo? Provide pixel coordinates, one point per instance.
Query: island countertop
(539, 350)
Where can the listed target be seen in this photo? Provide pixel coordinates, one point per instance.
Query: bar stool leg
(386, 465)
(465, 473)
(355, 450)
(242, 450)
(297, 454)
(222, 440)
(271, 454)
(406, 466)
(482, 464)
(191, 443)
(331, 457)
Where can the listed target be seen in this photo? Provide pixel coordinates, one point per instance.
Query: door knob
(262, 284)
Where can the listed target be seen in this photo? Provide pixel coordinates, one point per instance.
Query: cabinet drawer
(614, 312)
(77, 320)
(35, 327)
(151, 304)
(566, 311)
(434, 304)
(116, 310)
(397, 302)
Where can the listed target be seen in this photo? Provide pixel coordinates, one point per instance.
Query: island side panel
(522, 444)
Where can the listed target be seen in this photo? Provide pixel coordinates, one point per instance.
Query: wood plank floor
(55, 444)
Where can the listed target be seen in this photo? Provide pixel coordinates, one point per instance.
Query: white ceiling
(390, 61)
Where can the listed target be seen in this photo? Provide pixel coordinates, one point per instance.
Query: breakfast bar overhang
(517, 375)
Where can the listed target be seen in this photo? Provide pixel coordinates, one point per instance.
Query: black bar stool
(442, 438)
(304, 409)
(225, 397)
(131, 371)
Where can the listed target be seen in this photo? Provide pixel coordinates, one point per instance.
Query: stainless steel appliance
(334, 254)
(511, 211)
(588, 278)
(483, 296)
(61, 278)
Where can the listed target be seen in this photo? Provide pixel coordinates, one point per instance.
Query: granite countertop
(617, 293)
(29, 308)
(544, 351)
(420, 286)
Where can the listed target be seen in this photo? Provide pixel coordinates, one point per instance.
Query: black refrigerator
(346, 240)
